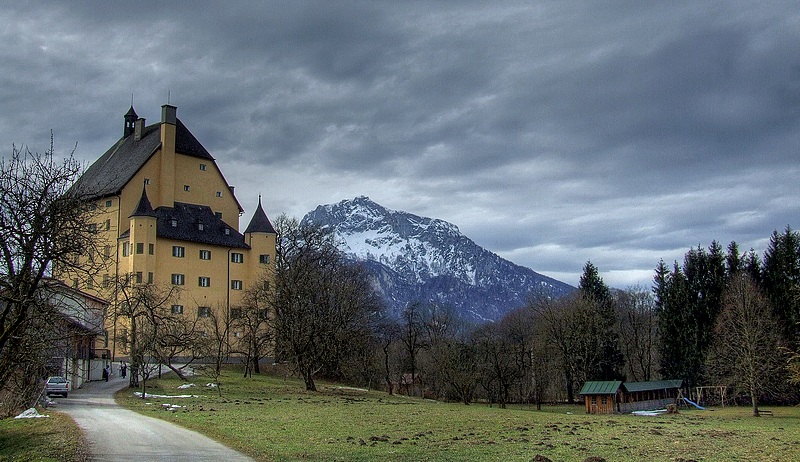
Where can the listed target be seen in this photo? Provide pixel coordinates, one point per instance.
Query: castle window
(90, 283)
(266, 285)
(151, 249)
(178, 279)
(177, 309)
(92, 227)
(174, 222)
(236, 313)
(204, 281)
(126, 249)
(205, 255)
(203, 167)
(138, 277)
(178, 251)
(149, 277)
(200, 226)
(107, 251)
(203, 311)
(105, 280)
(219, 193)
(186, 187)
(237, 257)
(236, 284)
(140, 248)
(108, 203)
(92, 206)
(263, 259)
(237, 334)
(108, 225)
(227, 231)
(218, 215)
(147, 181)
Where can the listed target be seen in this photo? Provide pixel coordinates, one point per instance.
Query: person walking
(123, 368)
(106, 373)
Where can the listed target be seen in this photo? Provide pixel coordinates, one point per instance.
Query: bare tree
(212, 344)
(452, 352)
(411, 336)
(745, 352)
(638, 328)
(322, 302)
(154, 334)
(559, 320)
(44, 226)
(251, 320)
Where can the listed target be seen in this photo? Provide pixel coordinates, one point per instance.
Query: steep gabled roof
(260, 223)
(114, 169)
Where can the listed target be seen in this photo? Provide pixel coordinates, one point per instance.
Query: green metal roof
(608, 387)
(653, 385)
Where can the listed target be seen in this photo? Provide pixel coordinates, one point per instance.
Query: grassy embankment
(56, 438)
(272, 418)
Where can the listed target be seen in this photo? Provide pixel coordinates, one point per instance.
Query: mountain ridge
(414, 258)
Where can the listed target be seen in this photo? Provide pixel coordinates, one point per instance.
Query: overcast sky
(549, 132)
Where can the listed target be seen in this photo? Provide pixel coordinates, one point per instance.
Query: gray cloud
(549, 132)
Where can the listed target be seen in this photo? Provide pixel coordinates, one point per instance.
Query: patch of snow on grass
(148, 395)
(31, 413)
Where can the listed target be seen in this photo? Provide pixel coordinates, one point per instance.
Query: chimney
(169, 114)
(138, 129)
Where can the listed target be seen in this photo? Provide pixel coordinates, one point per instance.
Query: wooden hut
(608, 397)
(601, 397)
(642, 396)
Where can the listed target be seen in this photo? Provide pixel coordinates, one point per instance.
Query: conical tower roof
(260, 223)
(144, 209)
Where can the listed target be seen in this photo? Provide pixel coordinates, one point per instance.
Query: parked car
(57, 386)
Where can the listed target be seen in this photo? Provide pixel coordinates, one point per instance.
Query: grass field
(272, 418)
(56, 438)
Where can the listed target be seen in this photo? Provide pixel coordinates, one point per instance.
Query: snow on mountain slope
(413, 258)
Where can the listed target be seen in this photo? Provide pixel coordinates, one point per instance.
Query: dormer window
(227, 231)
(200, 226)
(173, 222)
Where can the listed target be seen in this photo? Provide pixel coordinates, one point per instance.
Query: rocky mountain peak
(414, 258)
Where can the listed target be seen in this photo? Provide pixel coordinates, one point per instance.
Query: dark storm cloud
(550, 132)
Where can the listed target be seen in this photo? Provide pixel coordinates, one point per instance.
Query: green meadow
(56, 438)
(274, 418)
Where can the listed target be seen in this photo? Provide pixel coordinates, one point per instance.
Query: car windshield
(57, 380)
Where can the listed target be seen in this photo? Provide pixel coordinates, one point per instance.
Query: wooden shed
(608, 397)
(642, 396)
(601, 397)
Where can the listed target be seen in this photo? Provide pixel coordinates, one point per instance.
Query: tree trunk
(309, 381)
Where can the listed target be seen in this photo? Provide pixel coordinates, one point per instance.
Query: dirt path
(117, 434)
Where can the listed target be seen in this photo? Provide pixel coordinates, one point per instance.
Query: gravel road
(117, 434)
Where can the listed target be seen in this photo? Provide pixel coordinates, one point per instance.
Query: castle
(167, 216)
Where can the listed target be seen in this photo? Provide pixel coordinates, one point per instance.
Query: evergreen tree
(781, 280)
(601, 329)
(688, 301)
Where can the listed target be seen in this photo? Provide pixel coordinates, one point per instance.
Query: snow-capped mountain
(414, 258)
